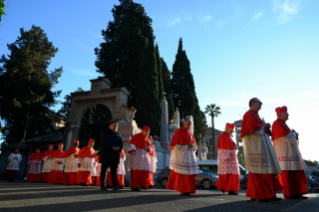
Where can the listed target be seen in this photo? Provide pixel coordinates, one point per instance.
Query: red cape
(225, 142)
(72, 150)
(86, 152)
(36, 156)
(58, 154)
(182, 136)
(97, 159)
(251, 122)
(279, 129)
(47, 153)
(139, 141)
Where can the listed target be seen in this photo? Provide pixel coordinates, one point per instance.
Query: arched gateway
(92, 110)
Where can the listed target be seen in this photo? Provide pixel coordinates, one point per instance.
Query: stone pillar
(164, 138)
(177, 118)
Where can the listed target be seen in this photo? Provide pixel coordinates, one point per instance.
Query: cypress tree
(167, 77)
(27, 86)
(148, 100)
(122, 59)
(160, 76)
(183, 85)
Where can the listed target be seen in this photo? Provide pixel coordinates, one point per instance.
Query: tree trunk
(213, 138)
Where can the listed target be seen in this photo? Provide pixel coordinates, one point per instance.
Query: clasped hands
(116, 148)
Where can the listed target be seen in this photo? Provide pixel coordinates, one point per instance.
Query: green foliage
(241, 160)
(1, 9)
(167, 78)
(123, 58)
(159, 76)
(184, 88)
(66, 105)
(27, 86)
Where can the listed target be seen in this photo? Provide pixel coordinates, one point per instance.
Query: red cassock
(71, 177)
(140, 170)
(184, 183)
(86, 155)
(294, 182)
(260, 186)
(44, 176)
(228, 171)
(56, 173)
(35, 169)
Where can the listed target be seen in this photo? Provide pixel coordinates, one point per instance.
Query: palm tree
(213, 111)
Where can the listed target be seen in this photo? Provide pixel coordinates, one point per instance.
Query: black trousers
(113, 168)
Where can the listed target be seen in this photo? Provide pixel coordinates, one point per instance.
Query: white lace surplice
(259, 154)
(46, 166)
(153, 164)
(55, 166)
(87, 164)
(120, 167)
(71, 164)
(13, 164)
(141, 160)
(227, 167)
(35, 167)
(288, 154)
(183, 160)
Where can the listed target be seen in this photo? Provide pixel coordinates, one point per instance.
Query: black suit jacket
(109, 139)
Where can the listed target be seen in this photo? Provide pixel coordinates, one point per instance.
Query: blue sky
(238, 49)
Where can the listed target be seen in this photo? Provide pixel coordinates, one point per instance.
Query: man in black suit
(110, 148)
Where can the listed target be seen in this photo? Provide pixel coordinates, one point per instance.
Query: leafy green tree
(183, 86)
(121, 58)
(167, 78)
(26, 96)
(1, 9)
(213, 111)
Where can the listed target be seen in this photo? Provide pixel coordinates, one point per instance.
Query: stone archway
(93, 122)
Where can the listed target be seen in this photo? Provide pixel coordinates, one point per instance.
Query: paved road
(24, 197)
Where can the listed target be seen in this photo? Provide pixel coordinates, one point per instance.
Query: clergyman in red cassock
(228, 168)
(71, 164)
(86, 159)
(293, 178)
(46, 165)
(183, 162)
(260, 157)
(140, 148)
(35, 166)
(58, 160)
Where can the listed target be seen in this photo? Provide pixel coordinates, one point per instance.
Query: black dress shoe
(265, 200)
(136, 189)
(186, 194)
(275, 199)
(298, 197)
(232, 193)
(103, 188)
(116, 187)
(143, 188)
(150, 187)
(252, 199)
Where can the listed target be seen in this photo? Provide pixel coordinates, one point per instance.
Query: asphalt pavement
(23, 197)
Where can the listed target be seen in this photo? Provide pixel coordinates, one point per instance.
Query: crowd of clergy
(271, 154)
